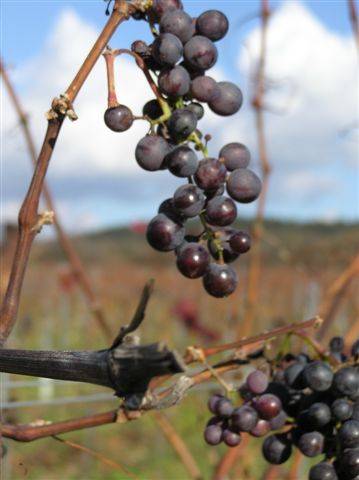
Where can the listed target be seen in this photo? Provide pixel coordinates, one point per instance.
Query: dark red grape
(151, 151)
(212, 24)
(311, 444)
(152, 109)
(342, 409)
(188, 200)
(221, 211)
(211, 174)
(167, 49)
(213, 401)
(318, 376)
(178, 23)
(224, 407)
(164, 234)
(235, 155)
(257, 382)
(323, 471)
(220, 280)
(268, 406)
(213, 434)
(200, 52)
(192, 260)
(231, 439)
(182, 123)
(261, 429)
(204, 88)
(160, 7)
(197, 109)
(240, 242)
(244, 418)
(348, 434)
(174, 81)
(276, 449)
(228, 100)
(182, 161)
(118, 119)
(243, 185)
(346, 381)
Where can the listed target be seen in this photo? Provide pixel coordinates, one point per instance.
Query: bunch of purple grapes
(182, 52)
(306, 403)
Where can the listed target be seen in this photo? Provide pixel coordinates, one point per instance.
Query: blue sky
(312, 144)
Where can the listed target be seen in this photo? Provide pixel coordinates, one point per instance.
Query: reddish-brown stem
(111, 87)
(257, 229)
(28, 215)
(353, 16)
(64, 240)
(229, 459)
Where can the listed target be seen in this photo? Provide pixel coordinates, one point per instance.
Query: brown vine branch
(335, 295)
(354, 21)
(254, 271)
(64, 240)
(28, 214)
(166, 398)
(229, 459)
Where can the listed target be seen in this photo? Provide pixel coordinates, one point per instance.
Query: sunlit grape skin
(228, 100)
(174, 81)
(200, 52)
(213, 434)
(212, 24)
(211, 174)
(119, 118)
(164, 234)
(243, 185)
(182, 161)
(182, 123)
(220, 280)
(322, 471)
(151, 152)
(221, 211)
(188, 200)
(257, 382)
(178, 23)
(235, 155)
(192, 260)
(268, 406)
(160, 7)
(204, 88)
(311, 444)
(240, 242)
(167, 49)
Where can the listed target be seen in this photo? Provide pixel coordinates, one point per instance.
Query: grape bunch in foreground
(182, 52)
(300, 402)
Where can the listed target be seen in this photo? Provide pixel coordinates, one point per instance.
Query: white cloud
(315, 67)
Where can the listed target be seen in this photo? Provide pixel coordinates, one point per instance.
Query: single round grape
(213, 434)
(193, 260)
(151, 151)
(224, 407)
(257, 382)
(160, 7)
(220, 280)
(311, 444)
(228, 100)
(276, 449)
(349, 462)
(197, 109)
(244, 418)
(318, 376)
(211, 174)
(348, 434)
(231, 439)
(346, 381)
(235, 155)
(167, 49)
(164, 234)
(178, 23)
(188, 200)
(323, 471)
(336, 344)
(293, 375)
(355, 349)
(319, 414)
(268, 406)
(212, 24)
(223, 235)
(240, 242)
(174, 81)
(221, 211)
(278, 422)
(200, 52)
(342, 409)
(152, 109)
(182, 161)
(261, 429)
(243, 185)
(213, 401)
(204, 88)
(118, 119)
(182, 123)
